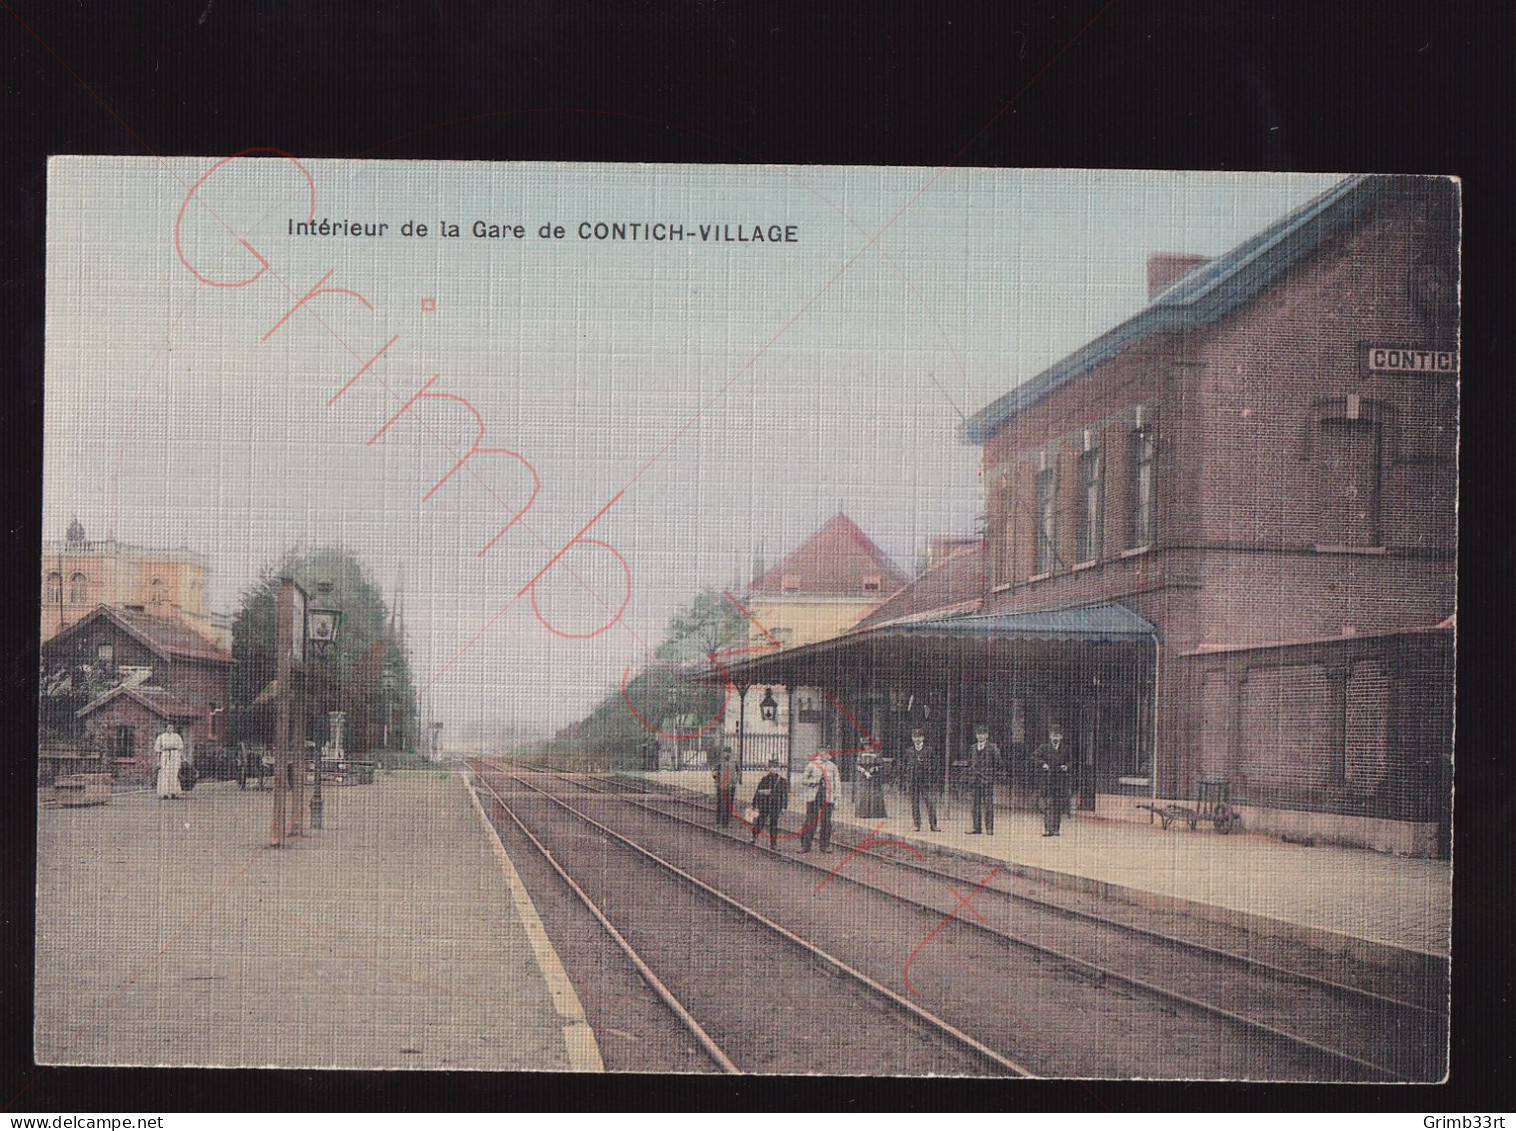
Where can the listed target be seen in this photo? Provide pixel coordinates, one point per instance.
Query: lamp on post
(321, 625)
(768, 706)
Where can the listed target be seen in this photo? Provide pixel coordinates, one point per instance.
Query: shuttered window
(1289, 726)
(1047, 520)
(1021, 522)
(1346, 473)
(1215, 727)
(1366, 733)
(1002, 528)
(1091, 504)
(1142, 489)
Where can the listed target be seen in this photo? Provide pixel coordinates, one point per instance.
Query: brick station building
(1220, 541)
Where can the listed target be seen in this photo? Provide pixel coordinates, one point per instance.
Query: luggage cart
(1214, 804)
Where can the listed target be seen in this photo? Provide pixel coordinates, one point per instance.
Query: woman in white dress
(170, 748)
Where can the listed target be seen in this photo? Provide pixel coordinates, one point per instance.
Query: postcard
(754, 619)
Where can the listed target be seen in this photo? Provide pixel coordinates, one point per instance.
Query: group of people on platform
(820, 786)
(917, 770)
(177, 773)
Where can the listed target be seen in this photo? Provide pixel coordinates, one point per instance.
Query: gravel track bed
(1053, 1016)
(1409, 1042)
(1287, 953)
(771, 1008)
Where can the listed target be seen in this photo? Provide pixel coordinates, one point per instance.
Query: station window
(1047, 520)
(1143, 486)
(1347, 477)
(78, 589)
(1005, 546)
(52, 591)
(1091, 504)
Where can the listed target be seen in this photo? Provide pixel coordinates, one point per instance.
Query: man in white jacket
(820, 786)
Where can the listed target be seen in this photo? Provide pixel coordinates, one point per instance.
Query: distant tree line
(666, 691)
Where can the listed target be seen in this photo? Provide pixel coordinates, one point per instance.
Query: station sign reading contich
(1403, 359)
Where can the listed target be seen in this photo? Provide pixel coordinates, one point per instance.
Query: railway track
(793, 1040)
(1345, 1032)
(1430, 992)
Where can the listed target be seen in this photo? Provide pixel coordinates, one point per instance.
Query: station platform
(398, 937)
(1394, 911)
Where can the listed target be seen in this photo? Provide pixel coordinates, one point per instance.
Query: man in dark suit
(1054, 779)
(770, 799)
(918, 770)
(984, 764)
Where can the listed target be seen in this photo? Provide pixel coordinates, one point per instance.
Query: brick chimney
(1166, 267)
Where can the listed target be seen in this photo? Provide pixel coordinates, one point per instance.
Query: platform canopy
(914, 646)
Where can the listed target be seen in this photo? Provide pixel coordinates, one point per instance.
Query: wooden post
(289, 725)
(947, 742)
(789, 730)
(742, 726)
(283, 602)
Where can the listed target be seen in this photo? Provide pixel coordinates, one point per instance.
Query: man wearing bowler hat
(769, 800)
(918, 768)
(983, 762)
(1054, 779)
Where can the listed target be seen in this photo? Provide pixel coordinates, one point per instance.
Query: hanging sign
(1400, 359)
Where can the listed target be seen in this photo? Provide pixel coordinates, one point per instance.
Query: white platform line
(578, 1037)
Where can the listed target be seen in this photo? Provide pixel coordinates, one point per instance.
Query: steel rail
(977, 1047)
(1090, 967)
(707, 1042)
(667, 793)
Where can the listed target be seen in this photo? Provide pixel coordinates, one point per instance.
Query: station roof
(159, 701)
(1197, 298)
(168, 637)
(955, 584)
(913, 646)
(1099, 624)
(837, 559)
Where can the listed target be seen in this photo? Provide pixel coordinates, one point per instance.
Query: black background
(1322, 86)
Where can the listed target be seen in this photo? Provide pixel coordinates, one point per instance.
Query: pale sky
(170, 422)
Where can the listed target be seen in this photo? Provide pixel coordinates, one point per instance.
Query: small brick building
(163, 670)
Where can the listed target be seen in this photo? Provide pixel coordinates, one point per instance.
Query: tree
(368, 676)
(709, 623)
(667, 688)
